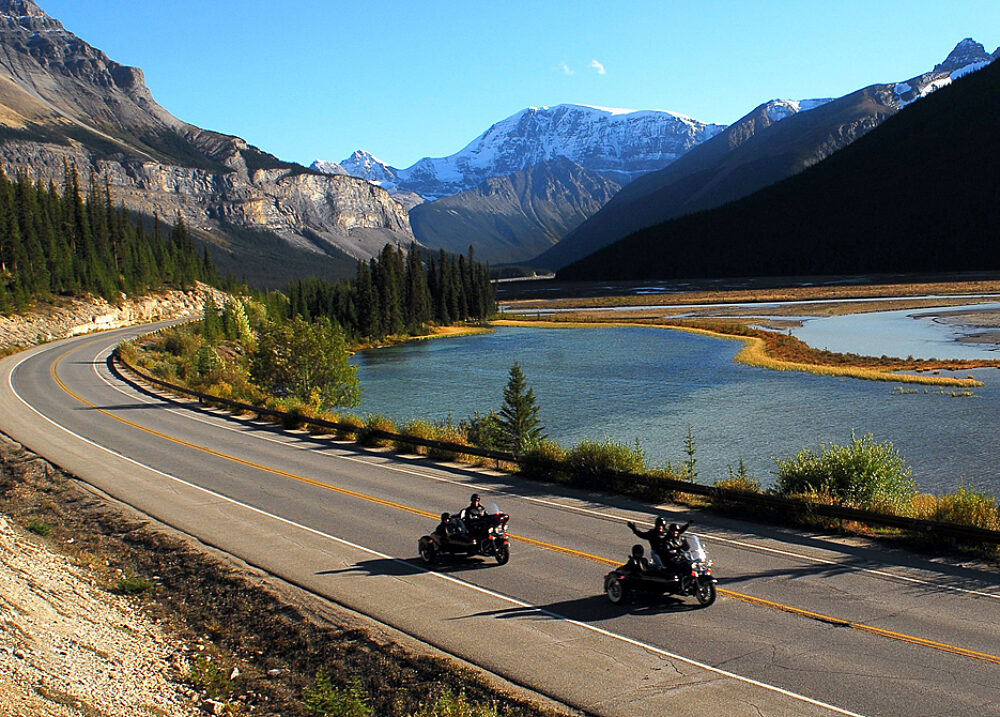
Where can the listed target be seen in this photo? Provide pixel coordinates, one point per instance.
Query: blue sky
(317, 79)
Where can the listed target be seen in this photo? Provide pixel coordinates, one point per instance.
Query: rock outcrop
(65, 102)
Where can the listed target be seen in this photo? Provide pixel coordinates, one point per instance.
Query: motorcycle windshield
(695, 550)
(493, 509)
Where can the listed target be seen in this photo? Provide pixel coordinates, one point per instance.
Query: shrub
(351, 427)
(179, 342)
(862, 474)
(448, 704)
(418, 429)
(131, 585)
(739, 480)
(376, 423)
(484, 431)
(592, 463)
(968, 506)
(544, 460)
(322, 698)
(40, 527)
(207, 675)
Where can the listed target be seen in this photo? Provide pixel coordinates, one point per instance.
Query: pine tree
(519, 422)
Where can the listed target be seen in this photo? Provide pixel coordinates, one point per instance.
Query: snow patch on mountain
(778, 110)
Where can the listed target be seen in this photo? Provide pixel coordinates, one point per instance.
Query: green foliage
(739, 479)
(39, 527)
(132, 585)
(968, 506)
(592, 462)
(690, 461)
(484, 431)
(520, 426)
(376, 423)
(544, 460)
(324, 699)
(307, 360)
(862, 474)
(449, 704)
(211, 324)
(211, 678)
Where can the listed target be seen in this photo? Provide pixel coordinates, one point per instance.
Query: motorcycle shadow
(592, 609)
(398, 567)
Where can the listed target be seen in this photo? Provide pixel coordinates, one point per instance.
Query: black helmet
(674, 529)
(660, 522)
(445, 517)
(637, 551)
(474, 498)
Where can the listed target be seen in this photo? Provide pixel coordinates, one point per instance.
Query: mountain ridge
(750, 154)
(916, 194)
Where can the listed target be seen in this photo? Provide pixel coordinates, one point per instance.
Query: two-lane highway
(803, 625)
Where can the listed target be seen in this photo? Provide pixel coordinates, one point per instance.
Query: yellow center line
(750, 599)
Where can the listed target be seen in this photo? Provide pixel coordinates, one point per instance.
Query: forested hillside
(59, 243)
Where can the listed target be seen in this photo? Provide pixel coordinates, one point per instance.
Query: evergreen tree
(211, 325)
(519, 423)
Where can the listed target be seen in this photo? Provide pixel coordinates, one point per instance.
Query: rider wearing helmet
(637, 560)
(666, 542)
(475, 510)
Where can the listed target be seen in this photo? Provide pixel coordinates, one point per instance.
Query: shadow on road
(594, 608)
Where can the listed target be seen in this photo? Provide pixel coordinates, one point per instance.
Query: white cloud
(566, 69)
(598, 66)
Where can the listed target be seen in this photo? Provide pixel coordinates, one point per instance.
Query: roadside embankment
(66, 317)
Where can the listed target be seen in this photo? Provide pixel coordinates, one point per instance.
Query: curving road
(804, 625)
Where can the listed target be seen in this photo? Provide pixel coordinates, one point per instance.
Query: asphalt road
(804, 625)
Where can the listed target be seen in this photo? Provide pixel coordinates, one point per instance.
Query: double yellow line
(881, 632)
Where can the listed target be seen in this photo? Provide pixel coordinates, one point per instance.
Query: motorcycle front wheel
(427, 551)
(705, 592)
(502, 554)
(616, 591)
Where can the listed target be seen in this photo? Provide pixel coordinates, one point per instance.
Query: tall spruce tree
(519, 423)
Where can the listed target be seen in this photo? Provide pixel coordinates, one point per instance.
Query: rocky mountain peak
(26, 14)
(967, 52)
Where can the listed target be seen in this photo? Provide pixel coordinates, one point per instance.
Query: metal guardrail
(781, 504)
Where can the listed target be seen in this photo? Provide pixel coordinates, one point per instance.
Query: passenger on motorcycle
(666, 543)
(452, 529)
(637, 560)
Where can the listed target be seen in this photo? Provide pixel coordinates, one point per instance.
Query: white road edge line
(499, 596)
(555, 504)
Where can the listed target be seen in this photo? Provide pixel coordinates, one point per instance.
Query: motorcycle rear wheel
(705, 592)
(502, 554)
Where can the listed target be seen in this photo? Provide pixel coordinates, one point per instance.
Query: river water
(654, 385)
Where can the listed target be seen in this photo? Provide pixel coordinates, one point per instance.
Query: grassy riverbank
(780, 352)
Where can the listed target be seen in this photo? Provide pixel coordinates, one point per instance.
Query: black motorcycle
(481, 536)
(692, 575)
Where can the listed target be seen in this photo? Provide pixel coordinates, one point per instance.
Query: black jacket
(661, 543)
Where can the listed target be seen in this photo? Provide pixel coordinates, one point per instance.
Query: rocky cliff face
(62, 100)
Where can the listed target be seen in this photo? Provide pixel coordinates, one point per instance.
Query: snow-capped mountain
(366, 166)
(620, 144)
(775, 140)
